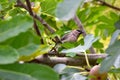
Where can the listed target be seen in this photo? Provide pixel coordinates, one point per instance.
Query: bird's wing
(64, 37)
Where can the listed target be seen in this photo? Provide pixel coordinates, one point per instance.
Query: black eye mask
(80, 31)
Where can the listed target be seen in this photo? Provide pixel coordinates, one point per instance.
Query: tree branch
(80, 26)
(106, 4)
(35, 24)
(79, 61)
(20, 4)
(91, 56)
(44, 23)
(38, 32)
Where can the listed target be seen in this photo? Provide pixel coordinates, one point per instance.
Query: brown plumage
(72, 36)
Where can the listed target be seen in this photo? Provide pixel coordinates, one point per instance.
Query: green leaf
(98, 44)
(67, 9)
(31, 51)
(117, 24)
(27, 72)
(114, 16)
(74, 50)
(88, 40)
(71, 54)
(28, 49)
(15, 26)
(59, 68)
(117, 62)
(22, 39)
(48, 6)
(8, 55)
(70, 70)
(106, 20)
(71, 73)
(75, 76)
(68, 45)
(14, 76)
(0, 7)
(115, 70)
(113, 51)
(28, 52)
(114, 37)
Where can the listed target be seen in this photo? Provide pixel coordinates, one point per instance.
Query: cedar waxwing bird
(72, 36)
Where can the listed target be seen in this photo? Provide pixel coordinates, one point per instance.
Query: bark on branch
(109, 5)
(22, 5)
(79, 61)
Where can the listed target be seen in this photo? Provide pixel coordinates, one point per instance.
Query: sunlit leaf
(67, 9)
(98, 44)
(8, 55)
(31, 51)
(48, 7)
(27, 72)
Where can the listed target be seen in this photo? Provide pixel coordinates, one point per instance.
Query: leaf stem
(87, 61)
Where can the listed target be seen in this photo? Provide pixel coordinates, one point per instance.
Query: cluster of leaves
(19, 42)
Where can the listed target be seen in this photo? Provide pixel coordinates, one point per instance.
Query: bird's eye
(80, 31)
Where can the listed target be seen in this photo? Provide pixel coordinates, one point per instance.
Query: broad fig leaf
(117, 62)
(8, 55)
(67, 9)
(31, 51)
(27, 72)
(113, 53)
(114, 37)
(28, 52)
(74, 50)
(14, 26)
(88, 40)
(14, 76)
(23, 39)
(75, 76)
(71, 73)
(59, 68)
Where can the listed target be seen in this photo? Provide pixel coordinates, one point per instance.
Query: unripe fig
(96, 75)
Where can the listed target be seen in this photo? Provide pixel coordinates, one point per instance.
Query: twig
(106, 4)
(29, 7)
(80, 26)
(80, 61)
(35, 24)
(20, 4)
(38, 32)
(44, 23)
